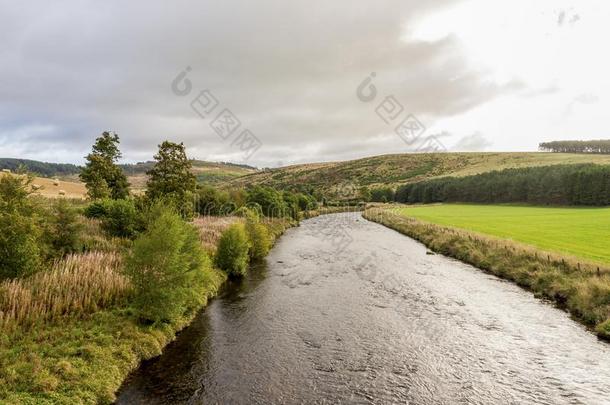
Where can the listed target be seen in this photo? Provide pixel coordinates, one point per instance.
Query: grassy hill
(344, 178)
(54, 188)
(207, 172)
(67, 174)
(42, 169)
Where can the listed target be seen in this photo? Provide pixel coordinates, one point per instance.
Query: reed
(77, 285)
(211, 228)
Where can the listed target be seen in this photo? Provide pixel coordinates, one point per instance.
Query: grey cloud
(289, 71)
(472, 143)
(584, 99)
(568, 16)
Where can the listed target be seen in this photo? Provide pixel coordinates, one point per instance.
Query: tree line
(597, 146)
(43, 169)
(585, 184)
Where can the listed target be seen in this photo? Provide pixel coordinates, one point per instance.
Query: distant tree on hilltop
(599, 146)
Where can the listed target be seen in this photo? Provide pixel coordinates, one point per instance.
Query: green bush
(260, 241)
(64, 230)
(271, 201)
(121, 219)
(20, 231)
(168, 268)
(211, 201)
(97, 209)
(232, 252)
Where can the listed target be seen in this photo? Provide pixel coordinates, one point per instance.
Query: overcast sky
(478, 74)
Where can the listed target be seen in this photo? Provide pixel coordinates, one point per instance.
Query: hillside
(343, 179)
(206, 172)
(54, 188)
(43, 169)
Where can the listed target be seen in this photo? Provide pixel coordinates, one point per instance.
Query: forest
(585, 184)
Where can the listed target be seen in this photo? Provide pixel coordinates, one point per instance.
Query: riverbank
(583, 289)
(84, 359)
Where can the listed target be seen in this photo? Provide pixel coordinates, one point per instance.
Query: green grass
(579, 232)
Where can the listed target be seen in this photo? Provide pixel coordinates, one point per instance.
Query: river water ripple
(365, 315)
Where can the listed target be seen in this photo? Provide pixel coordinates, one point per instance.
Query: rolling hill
(343, 179)
(206, 172)
(48, 174)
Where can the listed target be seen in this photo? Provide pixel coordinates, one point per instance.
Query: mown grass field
(579, 232)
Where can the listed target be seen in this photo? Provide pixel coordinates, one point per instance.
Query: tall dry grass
(211, 228)
(77, 285)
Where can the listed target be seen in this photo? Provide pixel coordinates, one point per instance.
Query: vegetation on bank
(87, 292)
(580, 232)
(558, 185)
(581, 288)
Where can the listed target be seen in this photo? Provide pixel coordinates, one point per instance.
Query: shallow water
(347, 311)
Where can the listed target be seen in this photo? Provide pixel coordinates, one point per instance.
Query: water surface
(347, 311)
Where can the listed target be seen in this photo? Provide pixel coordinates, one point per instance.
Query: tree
(101, 175)
(365, 194)
(595, 146)
(382, 194)
(64, 230)
(583, 184)
(171, 177)
(21, 234)
(270, 200)
(168, 269)
(232, 252)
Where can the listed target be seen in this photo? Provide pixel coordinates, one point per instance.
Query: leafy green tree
(121, 218)
(270, 200)
(211, 201)
(232, 252)
(20, 231)
(101, 175)
(292, 204)
(365, 193)
(306, 202)
(171, 177)
(258, 234)
(168, 269)
(64, 231)
(382, 194)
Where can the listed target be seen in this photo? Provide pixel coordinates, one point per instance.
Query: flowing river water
(347, 311)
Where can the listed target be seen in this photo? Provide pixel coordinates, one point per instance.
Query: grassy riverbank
(70, 335)
(581, 288)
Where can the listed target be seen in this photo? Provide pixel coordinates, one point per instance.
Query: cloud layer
(288, 71)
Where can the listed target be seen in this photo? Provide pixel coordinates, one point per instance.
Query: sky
(278, 82)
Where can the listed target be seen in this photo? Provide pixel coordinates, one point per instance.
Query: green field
(579, 232)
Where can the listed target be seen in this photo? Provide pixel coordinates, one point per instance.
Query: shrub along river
(347, 311)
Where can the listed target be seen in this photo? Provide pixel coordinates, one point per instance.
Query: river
(347, 311)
